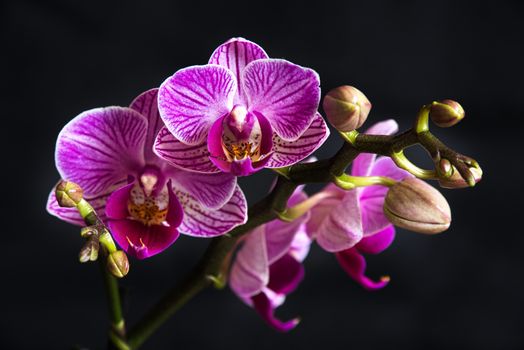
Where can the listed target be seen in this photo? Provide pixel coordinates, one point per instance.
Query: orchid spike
(239, 113)
(268, 265)
(144, 200)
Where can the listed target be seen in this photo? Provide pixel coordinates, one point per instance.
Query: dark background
(462, 289)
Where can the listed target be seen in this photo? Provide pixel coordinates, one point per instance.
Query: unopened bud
(457, 181)
(414, 205)
(446, 113)
(444, 168)
(118, 264)
(346, 108)
(68, 194)
(89, 251)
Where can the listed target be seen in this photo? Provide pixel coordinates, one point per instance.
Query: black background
(462, 289)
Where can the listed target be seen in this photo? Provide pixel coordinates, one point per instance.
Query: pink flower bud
(68, 194)
(455, 180)
(346, 108)
(446, 113)
(118, 264)
(414, 205)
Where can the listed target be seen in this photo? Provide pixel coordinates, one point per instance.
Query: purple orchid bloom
(350, 223)
(268, 265)
(241, 112)
(144, 200)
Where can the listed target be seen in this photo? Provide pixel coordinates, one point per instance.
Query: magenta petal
(210, 190)
(287, 153)
(342, 226)
(245, 167)
(286, 94)
(285, 274)
(201, 222)
(378, 242)
(214, 145)
(139, 240)
(147, 105)
(235, 55)
(100, 147)
(193, 158)
(355, 266)
(250, 270)
(263, 306)
(193, 99)
(363, 164)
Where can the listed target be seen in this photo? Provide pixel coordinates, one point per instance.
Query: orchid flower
(350, 223)
(144, 200)
(239, 113)
(268, 265)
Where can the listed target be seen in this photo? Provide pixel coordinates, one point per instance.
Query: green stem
(270, 208)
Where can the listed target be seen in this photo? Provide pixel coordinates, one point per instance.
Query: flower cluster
(168, 164)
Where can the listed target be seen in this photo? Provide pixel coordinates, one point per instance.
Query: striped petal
(286, 94)
(287, 153)
(100, 147)
(146, 104)
(189, 157)
(193, 98)
(235, 55)
(211, 190)
(201, 222)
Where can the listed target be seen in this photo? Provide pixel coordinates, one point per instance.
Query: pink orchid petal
(193, 158)
(250, 270)
(342, 226)
(372, 197)
(212, 191)
(363, 164)
(235, 55)
(355, 266)
(71, 215)
(135, 238)
(286, 94)
(280, 234)
(300, 245)
(265, 309)
(214, 145)
(287, 153)
(147, 105)
(201, 222)
(319, 214)
(101, 147)
(193, 99)
(378, 242)
(285, 274)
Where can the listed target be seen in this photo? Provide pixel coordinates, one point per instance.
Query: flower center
(242, 135)
(146, 205)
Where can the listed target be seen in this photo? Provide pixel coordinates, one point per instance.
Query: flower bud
(68, 194)
(118, 264)
(446, 113)
(444, 168)
(346, 108)
(414, 205)
(457, 181)
(89, 251)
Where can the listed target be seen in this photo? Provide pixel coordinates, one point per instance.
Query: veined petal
(212, 191)
(372, 197)
(250, 270)
(355, 266)
(100, 147)
(193, 98)
(135, 238)
(286, 94)
(287, 153)
(193, 158)
(147, 105)
(363, 164)
(342, 226)
(201, 222)
(235, 55)
(265, 309)
(378, 242)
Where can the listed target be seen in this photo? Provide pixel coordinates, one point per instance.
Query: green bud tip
(444, 168)
(457, 181)
(346, 107)
(446, 113)
(118, 264)
(68, 194)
